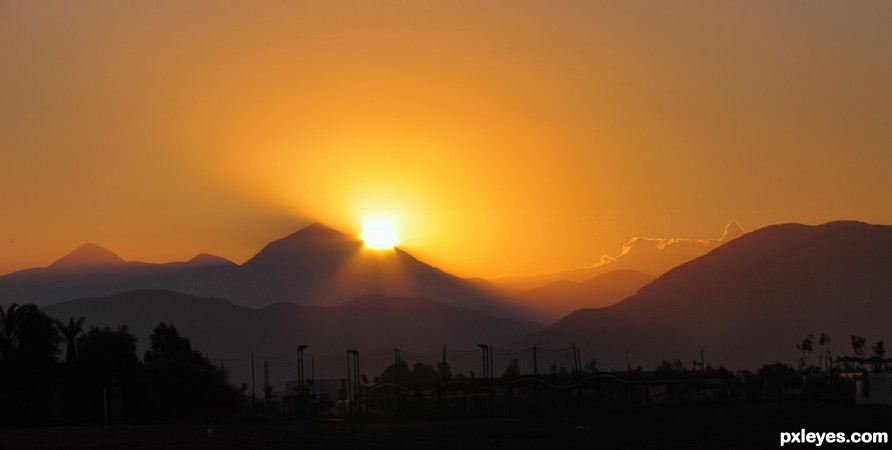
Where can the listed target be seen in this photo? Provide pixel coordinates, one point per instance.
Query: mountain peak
(206, 259)
(306, 247)
(315, 234)
(320, 228)
(88, 256)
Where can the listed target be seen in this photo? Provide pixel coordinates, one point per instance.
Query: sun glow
(379, 234)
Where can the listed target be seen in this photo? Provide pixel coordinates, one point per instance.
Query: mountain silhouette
(88, 256)
(92, 270)
(316, 265)
(747, 302)
(557, 299)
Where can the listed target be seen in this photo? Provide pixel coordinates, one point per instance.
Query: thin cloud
(657, 255)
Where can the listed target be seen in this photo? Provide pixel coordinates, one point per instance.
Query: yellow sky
(504, 137)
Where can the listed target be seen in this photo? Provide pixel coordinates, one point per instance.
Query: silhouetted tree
(28, 346)
(166, 342)
(391, 375)
(670, 366)
(778, 377)
(11, 321)
(592, 366)
(879, 352)
(425, 373)
(419, 373)
(71, 334)
(513, 369)
(858, 343)
(558, 373)
(824, 342)
(178, 381)
(806, 347)
(106, 362)
(28, 335)
(108, 355)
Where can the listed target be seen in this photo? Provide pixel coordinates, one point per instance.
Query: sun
(379, 234)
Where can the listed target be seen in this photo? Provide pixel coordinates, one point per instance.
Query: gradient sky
(503, 137)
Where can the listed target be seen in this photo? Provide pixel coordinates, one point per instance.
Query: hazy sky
(504, 137)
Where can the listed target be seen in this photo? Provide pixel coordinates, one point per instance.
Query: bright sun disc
(379, 235)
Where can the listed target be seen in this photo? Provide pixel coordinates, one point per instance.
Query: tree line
(859, 360)
(101, 375)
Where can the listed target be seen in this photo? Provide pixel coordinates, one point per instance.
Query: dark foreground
(719, 426)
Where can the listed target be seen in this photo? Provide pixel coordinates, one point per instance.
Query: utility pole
(535, 361)
(349, 384)
(301, 378)
(485, 349)
(396, 362)
(353, 380)
(253, 385)
(442, 389)
(265, 377)
(443, 368)
(491, 350)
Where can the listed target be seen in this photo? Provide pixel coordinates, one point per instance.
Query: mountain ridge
(314, 265)
(747, 302)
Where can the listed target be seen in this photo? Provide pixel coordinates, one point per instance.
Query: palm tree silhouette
(824, 342)
(71, 334)
(805, 347)
(858, 347)
(27, 334)
(879, 352)
(11, 322)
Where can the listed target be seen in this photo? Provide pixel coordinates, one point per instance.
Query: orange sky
(504, 137)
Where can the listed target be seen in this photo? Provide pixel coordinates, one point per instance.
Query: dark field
(722, 426)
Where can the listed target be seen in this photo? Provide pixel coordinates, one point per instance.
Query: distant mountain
(653, 255)
(315, 265)
(557, 299)
(747, 302)
(371, 324)
(88, 255)
(91, 270)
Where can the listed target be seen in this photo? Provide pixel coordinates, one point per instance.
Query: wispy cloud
(656, 255)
